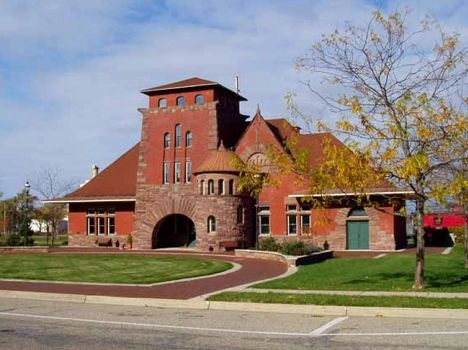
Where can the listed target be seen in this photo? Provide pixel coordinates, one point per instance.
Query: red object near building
(450, 219)
(179, 187)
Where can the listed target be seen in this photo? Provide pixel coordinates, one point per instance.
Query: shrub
(290, 247)
(269, 244)
(10, 240)
(297, 247)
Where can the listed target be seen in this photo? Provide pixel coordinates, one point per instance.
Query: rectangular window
(111, 225)
(264, 219)
(305, 224)
(291, 219)
(101, 223)
(176, 172)
(264, 222)
(91, 225)
(188, 171)
(166, 173)
(292, 224)
(305, 219)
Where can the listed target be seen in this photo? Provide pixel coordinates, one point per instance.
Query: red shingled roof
(191, 82)
(117, 181)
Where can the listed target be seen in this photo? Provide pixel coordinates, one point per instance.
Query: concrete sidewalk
(202, 304)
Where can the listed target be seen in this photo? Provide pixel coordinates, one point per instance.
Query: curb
(201, 304)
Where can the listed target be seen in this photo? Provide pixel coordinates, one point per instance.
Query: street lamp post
(27, 186)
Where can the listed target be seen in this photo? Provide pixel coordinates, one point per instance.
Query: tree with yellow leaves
(402, 106)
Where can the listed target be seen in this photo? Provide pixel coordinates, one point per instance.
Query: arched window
(210, 186)
(188, 171)
(178, 135)
(188, 139)
(240, 214)
(167, 140)
(162, 103)
(180, 101)
(199, 99)
(358, 211)
(231, 186)
(202, 187)
(221, 186)
(211, 224)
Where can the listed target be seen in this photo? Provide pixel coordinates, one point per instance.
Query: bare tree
(402, 105)
(50, 184)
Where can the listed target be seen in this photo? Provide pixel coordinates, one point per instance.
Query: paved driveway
(251, 270)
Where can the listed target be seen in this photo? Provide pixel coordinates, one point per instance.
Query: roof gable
(118, 180)
(257, 137)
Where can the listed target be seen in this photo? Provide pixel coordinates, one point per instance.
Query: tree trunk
(419, 271)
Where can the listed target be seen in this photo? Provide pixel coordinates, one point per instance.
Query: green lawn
(394, 272)
(41, 240)
(106, 268)
(341, 300)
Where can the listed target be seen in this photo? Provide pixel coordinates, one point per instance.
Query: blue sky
(71, 71)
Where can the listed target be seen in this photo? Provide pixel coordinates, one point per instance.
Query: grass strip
(341, 300)
(106, 268)
(394, 272)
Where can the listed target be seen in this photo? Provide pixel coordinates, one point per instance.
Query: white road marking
(399, 334)
(152, 325)
(315, 333)
(328, 325)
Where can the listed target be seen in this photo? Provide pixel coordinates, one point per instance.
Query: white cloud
(71, 72)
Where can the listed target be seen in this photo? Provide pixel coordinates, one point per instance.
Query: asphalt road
(34, 324)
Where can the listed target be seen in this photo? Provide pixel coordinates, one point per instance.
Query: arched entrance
(175, 230)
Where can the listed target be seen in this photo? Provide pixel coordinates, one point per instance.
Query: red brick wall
(124, 214)
(156, 200)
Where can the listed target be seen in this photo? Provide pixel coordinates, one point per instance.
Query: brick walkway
(251, 270)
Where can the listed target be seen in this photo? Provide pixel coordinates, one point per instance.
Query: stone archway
(175, 230)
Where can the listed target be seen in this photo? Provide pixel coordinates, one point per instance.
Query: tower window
(162, 103)
(221, 186)
(177, 172)
(188, 171)
(178, 135)
(167, 140)
(199, 99)
(180, 101)
(211, 224)
(210, 186)
(188, 139)
(166, 173)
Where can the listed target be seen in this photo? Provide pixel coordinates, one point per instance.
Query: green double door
(357, 234)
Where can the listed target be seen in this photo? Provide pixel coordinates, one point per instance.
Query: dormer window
(162, 103)
(180, 101)
(199, 100)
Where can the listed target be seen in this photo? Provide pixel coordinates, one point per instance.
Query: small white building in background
(40, 226)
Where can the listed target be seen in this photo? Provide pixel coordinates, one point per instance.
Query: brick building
(178, 185)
